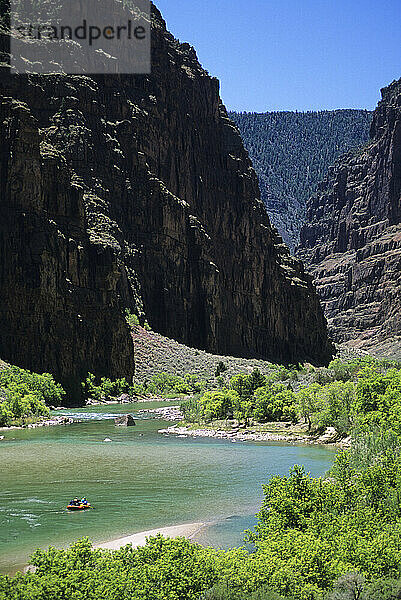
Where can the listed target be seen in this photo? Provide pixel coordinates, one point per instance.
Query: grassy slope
(156, 354)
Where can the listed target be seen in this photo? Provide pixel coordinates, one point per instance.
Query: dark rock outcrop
(136, 192)
(125, 421)
(352, 239)
(59, 307)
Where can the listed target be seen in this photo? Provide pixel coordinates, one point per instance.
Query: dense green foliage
(101, 389)
(164, 383)
(274, 402)
(365, 395)
(26, 396)
(163, 569)
(219, 404)
(291, 152)
(317, 530)
(223, 590)
(354, 395)
(246, 397)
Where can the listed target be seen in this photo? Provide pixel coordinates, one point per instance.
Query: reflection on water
(140, 480)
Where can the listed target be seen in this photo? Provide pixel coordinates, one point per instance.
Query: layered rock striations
(352, 239)
(135, 192)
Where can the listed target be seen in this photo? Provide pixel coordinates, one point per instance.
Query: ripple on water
(79, 416)
(30, 518)
(93, 416)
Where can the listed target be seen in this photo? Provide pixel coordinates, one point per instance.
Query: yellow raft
(78, 506)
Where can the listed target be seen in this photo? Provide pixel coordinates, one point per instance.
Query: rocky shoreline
(125, 399)
(50, 422)
(168, 413)
(330, 436)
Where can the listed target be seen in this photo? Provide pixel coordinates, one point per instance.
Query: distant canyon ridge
(291, 152)
(331, 183)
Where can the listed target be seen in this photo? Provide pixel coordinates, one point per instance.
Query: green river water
(136, 482)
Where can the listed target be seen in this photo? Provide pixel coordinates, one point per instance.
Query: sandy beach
(188, 530)
(139, 539)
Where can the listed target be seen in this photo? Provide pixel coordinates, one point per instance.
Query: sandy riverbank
(139, 539)
(187, 530)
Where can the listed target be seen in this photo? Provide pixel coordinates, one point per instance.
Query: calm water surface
(140, 480)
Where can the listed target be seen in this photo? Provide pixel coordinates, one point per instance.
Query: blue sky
(293, 54)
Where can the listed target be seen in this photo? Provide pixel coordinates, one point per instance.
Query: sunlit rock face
(352, 239)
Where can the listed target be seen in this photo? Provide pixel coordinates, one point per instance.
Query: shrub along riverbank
(25, 396)
(162, 384)
(348, 396)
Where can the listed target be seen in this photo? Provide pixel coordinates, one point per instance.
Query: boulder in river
(125, 421)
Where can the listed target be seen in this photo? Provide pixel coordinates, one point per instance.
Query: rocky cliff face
(352, 239)
(136, 192)
(59, 307)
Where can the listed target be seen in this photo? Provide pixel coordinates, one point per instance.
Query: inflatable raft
(78, 506)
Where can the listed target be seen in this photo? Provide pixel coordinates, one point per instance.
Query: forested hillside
(291, 152)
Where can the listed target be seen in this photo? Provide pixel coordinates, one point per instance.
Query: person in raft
(75, 502)
(84, 501)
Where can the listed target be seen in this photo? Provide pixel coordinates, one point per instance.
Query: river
(140, 480)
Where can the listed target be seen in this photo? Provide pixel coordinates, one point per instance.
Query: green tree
(309, 402)
(44, 385)
(219, 404)
(274, 402)
(242, 385)
(25, 395)
(337, 406)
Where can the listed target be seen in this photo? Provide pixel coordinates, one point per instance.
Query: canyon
(135, 193)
